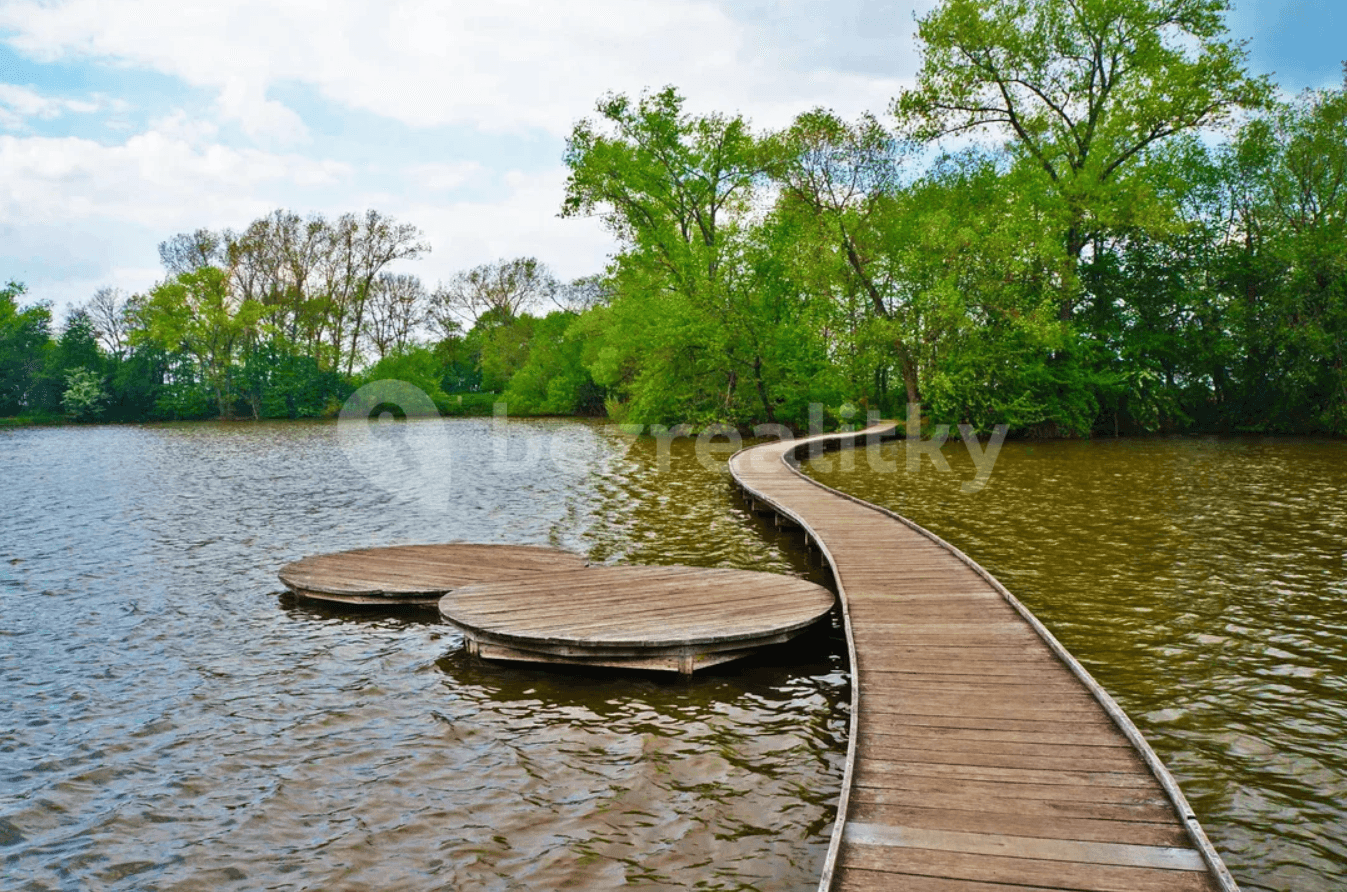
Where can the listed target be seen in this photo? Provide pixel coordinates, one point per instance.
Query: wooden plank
(989, 723)
(852, 879)
(930, 815)
(1045, 742)
(976, 796)
(1024, 871)
(1074, 851)
(1046, 746)
(1038, 776)
(1005, 757)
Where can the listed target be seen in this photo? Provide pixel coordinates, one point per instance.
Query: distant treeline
(1090, 259)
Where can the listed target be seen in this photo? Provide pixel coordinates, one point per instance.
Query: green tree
(504, 349)
(85, 398)
(138, 384)
(196, 313)
(25, 340)
(553, 379)
(1080, 88)
(415, 365)
(679, 192)
(1285, 261)
(843, 179)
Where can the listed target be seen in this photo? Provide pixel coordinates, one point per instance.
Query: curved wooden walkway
(982, 757)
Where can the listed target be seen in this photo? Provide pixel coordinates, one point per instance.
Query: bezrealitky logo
(413, 462)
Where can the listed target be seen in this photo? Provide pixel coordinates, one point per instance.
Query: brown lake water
(173, 721)
(1203, 583)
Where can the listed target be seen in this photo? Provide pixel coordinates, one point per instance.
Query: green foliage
(25, 341)
(459, 359)
(504, 348)
(416, 366)
(284, 383)
(553, 379)
(470, 404)
(676, 190)
(196, 313)
(85, 398)
(137, 385)
(1080, 89)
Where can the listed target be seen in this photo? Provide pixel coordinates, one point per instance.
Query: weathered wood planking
(982, 756)
(670, 618)
(417, 574)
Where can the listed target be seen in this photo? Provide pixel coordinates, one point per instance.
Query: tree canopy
(1085, 217)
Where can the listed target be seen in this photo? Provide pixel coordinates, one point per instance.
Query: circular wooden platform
(418, 574)
(668, 618)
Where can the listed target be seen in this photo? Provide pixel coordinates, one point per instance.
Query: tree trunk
(762, 390)
(1075, 247)
(908, 367)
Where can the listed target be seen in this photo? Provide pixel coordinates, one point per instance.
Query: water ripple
(175, 722)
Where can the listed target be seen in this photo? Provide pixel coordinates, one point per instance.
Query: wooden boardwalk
(676, 619)
(982, 757)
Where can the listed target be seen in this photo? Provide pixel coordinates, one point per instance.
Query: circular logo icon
(392, 434)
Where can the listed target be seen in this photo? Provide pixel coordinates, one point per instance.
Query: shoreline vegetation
(1084, 219)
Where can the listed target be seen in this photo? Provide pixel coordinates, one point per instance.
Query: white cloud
(261, 118)
(19, 104)
(442, 177)
(154, 179)
(523, 221)
(171, 179)
(505, 66)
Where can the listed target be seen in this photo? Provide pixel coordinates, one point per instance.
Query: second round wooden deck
(664, 618)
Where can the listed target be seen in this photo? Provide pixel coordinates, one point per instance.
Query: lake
(176, 721)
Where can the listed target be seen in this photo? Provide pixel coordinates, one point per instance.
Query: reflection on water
(173, 721)
(1203, 582)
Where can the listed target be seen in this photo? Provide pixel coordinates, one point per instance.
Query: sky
(122, 124)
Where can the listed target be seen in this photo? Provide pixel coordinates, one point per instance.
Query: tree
(77, 346)
(363, 247)
(553, 379)
(196, 313)
(679, 192)
(25, 339)
(312, 277)
(397, 307)
(85, 398)
(188, 252)
(508, 287)
(584, 293)
(844, 179)
(1285, 265)
(1080, 88)
(107, 309)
